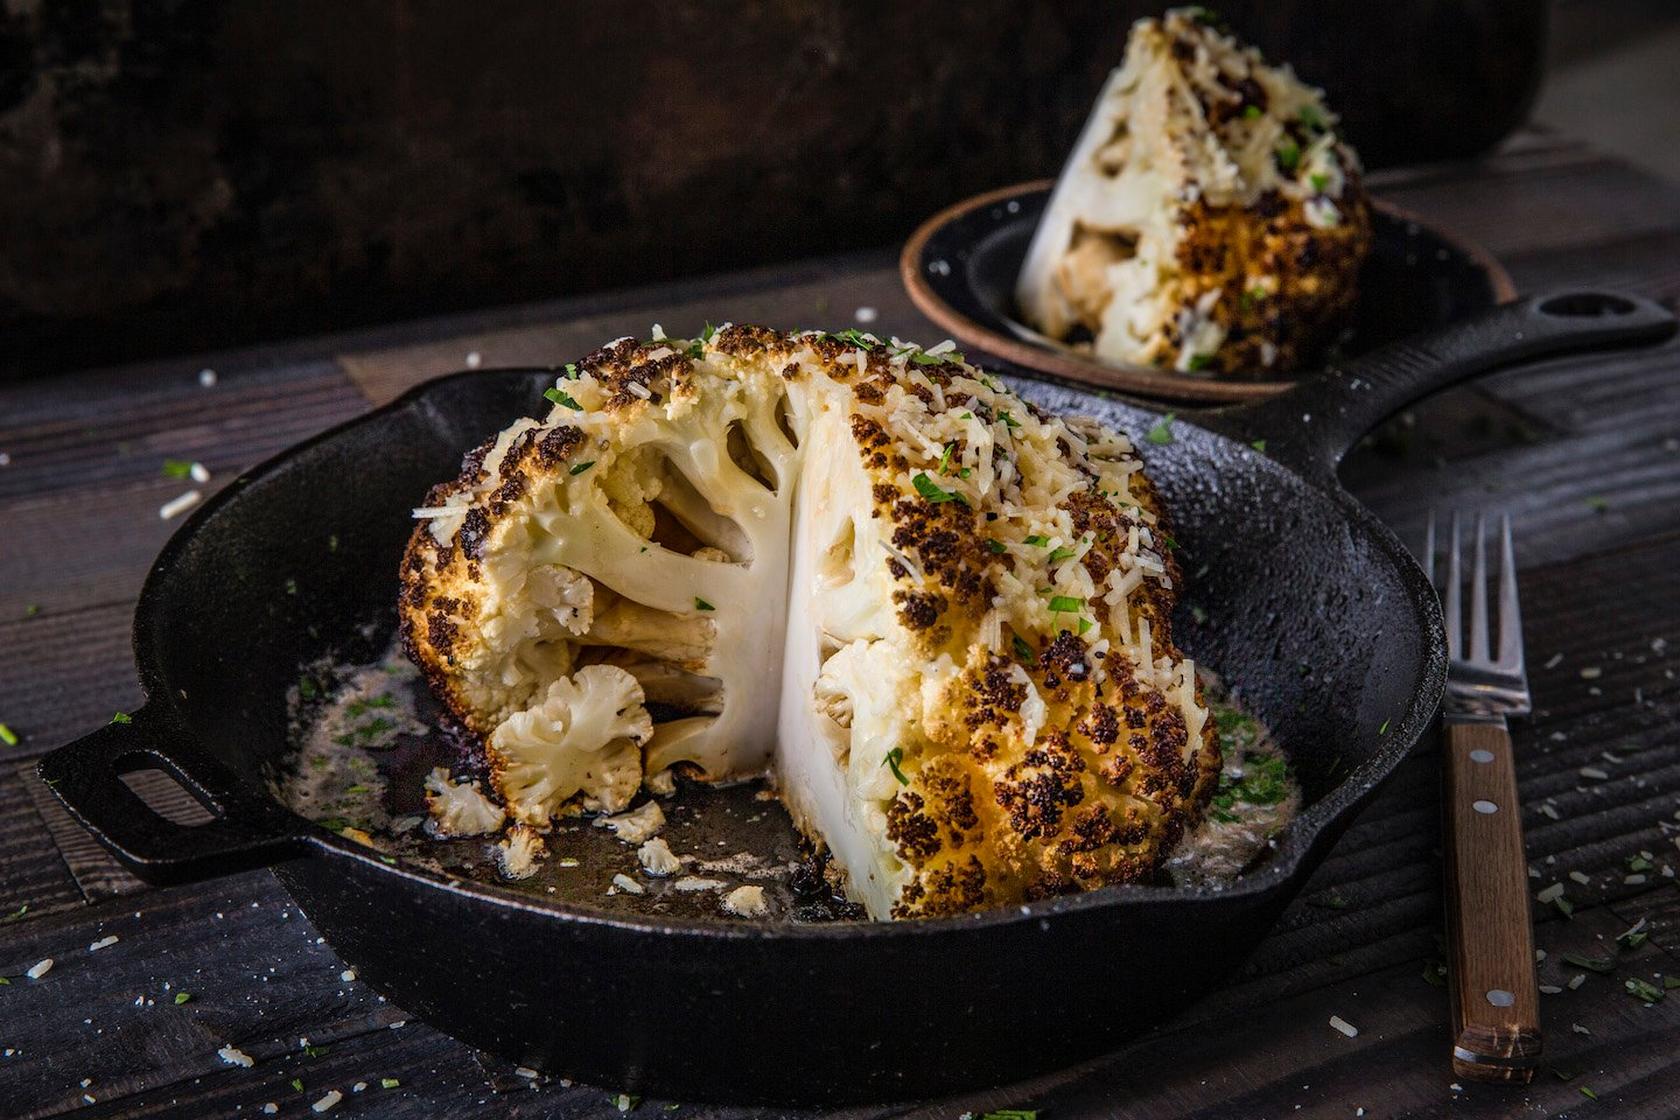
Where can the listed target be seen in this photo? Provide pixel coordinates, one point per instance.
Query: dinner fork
(1496, 1005)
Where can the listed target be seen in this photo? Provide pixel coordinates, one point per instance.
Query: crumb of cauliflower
(746, 902)
(657, 859)
(639, 824)
(459, 808)
(517, 853)
(583, 736)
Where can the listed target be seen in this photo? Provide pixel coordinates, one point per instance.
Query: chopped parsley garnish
(1598, 504)
(8, 736)
(388, 1083)
(357, 788)
(30, 610)
(1311, 117)
(297, 1084)
(856, 338)
(1200, 362)
(945, 458)
(1057, 555)
(1320, 182)
(182, 997)
(1022, 649)
(995, 546)
(1161, 433)
(177, 468)
(15, 915)
(1643, 989)
(1588, 1093)
(1632, 939)
(560, 397)
(1252, 112)
(1638, 863)
(571, 370)
(1008, 420)
(1197, 613)
(1288, 157)
(894, 757)
(1383, 730)
(701, 604)
(1066, 604)
(332, 542)
(291, 586)
(1259, 445)
(1011, 1114)
(121, 717)
(706, 335)
(579, 468)
(1265, 779)
(933, 492)
(923, 358)
(1037, 540)
(1085, 625)
(1168, 543)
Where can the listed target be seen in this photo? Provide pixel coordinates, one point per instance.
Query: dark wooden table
(1583, 453)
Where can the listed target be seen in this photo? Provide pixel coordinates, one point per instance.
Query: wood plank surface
(1582, 451)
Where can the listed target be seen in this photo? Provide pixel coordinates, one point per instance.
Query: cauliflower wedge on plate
(938, 616)
(1209, 219)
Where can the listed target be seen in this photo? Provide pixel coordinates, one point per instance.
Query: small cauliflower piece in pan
(938, 616)
(1209, 221)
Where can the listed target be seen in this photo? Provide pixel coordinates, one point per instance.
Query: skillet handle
(86, 776)
(1311, 426)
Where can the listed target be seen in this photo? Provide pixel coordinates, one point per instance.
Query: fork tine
(1510, 617)
(1454, 627)
(1429, 549)
(1479, 596)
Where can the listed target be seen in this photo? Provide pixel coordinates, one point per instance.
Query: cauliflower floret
(1208, 221)
(746, 902)
(937, 614)
(583, 737)
(459, 808)
(657, 859)
(517, 853)
(637, 825)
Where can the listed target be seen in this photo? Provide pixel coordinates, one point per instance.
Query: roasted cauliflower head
(1209, 220)
(937, 616)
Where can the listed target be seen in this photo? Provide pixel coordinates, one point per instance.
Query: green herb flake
(182, 997)
(1633, 939)
(177, 468)
(1008, 420)
(856, 338)
(1601, 965)
(1311, 117)
(297, 1084)
(995, 546)
(1643, 989)
(1259, 445)
(894, 757)
(1671, 982)
(1252, 112)
(1200, 615)
(1588, 1093)
(1638, 863)
(1383, 729)
(563, 398)
(707, 334)
(8, 736)
(388, 1083)
(1161, 433)
(1085, 625)
(1066, 604)
(945, 458)
(1598, 504)
(332, 542)
(291, 586)
(1288, 157)
(388, 859)
(571, 371)
(933, 492)
(1037, 540)
(1011, 1114)
(1199, 362)
(701, 604)
(579, 468)
(30, 610)
(1057, 555)
(1435, 973)
(1564, 906)
(1320, 182)
(357, 789)
(1022, 650)
(17, 914)
(314, 1051)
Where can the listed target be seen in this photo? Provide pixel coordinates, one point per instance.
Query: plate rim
(1144, 380)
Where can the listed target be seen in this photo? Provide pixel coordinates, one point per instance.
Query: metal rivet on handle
(1480, 755)
(1499, 997)
(1485, 807)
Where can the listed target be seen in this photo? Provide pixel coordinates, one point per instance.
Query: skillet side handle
(86, 776)
(1313, 425)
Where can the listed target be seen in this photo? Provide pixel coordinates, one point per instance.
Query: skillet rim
(1303, 836)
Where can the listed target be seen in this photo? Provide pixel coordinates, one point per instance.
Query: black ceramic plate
(960, 268)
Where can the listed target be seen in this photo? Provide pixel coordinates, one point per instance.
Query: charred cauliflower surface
(1209, 220)
(939, 617)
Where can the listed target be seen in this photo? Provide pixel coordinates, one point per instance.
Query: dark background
(179, 175)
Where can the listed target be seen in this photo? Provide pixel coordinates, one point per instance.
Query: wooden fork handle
(1496, 1006)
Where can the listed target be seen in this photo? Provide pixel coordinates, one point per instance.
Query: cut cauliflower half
(1209, 219)
(938, 616)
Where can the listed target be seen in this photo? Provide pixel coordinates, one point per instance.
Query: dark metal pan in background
(1312, 608)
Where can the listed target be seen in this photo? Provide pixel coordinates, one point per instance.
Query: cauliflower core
(938, 617)
(1209, 219)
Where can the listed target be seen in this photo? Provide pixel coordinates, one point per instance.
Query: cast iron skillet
(1312, 607)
